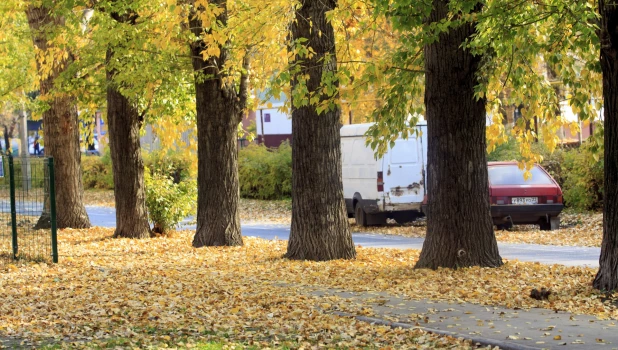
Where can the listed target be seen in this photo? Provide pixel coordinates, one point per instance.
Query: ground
(162, 292)
(577, 229)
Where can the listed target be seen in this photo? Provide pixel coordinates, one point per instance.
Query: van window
(512, 175)
(404, 152)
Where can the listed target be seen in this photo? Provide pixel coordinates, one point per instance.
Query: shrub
(583, 179)
(168, 202)
(97, 172)
(506, 151)
(171, 164)
(37, 171)
(265, 173)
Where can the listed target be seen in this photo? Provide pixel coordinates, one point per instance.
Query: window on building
(267, 118)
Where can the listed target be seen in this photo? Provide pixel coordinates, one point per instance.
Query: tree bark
(320, 229)
(219, 107)
(61, 129)
(607, 277)
(459, 226)
(124, 123)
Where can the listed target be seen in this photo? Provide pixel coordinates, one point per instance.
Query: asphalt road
(570, 256)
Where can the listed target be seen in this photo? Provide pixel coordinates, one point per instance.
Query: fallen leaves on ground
(99, 198)
(277, 212)
(576, 229)
(161, 292)
(417, 228)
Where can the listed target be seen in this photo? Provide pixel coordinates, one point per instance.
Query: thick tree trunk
(607, 277)
(320, 229)
(124, 122)
(459, 226)
(61, 130)
(219, 110)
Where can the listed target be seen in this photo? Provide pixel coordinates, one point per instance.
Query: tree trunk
(61, 129)
(7, 141)
(219, 110)
(459, 226)
(124, 124)
(320, 228)
(607, 277)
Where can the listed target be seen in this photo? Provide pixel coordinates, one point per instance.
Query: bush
(168, 202)
(171, 164)
(583, 179)
(97, 172)
(506, 151)
(265, 173)
(37, 171)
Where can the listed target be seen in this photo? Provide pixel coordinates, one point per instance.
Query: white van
(390, 187)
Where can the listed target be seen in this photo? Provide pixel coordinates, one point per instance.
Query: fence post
(52, 209)
(13, 209)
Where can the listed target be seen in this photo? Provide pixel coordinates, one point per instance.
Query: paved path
(570, 256)
(490, 325)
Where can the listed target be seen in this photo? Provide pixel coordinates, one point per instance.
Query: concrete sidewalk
(487, 325)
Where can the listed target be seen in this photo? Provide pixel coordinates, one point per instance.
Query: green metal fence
(27, 209)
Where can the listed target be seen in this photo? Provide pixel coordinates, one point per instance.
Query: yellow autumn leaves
(161, 292)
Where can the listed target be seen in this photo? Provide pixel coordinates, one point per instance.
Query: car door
(404, 172)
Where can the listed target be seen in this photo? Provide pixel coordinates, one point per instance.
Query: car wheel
(359, 215)
(553, 224)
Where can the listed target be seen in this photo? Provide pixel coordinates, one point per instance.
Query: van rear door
(404, 185)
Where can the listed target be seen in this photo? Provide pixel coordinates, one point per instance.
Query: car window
(512, 175)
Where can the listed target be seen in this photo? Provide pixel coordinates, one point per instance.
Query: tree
(480, 49)
(18, 66)
(220, 104)
(60, 119)
(320, 229)
(8, 122)
(607, 276)
(459, 226)
(124, 123)
(133, 53)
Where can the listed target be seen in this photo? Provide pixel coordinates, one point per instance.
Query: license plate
(525, 200)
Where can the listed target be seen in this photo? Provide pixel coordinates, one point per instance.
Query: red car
(514, 200)
(536, 201)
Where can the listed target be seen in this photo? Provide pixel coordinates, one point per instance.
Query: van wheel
(404, 217)
(376, 219)
(553, 224)
(504, 227)
(359, 215)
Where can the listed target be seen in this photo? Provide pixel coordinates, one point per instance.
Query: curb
(480, 340)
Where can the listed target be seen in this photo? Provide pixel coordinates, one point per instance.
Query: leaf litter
(161, 292)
